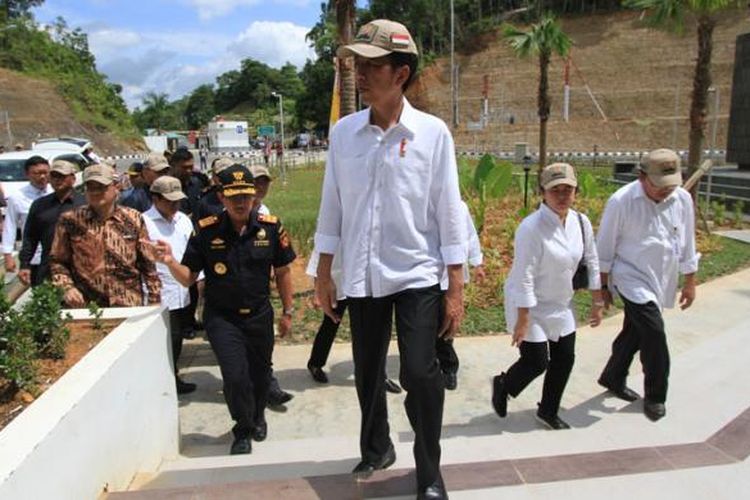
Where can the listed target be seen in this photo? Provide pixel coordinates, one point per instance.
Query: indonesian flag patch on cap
(398, 40)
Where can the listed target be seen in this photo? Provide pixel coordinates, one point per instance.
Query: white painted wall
(156, 143)
(111, 415)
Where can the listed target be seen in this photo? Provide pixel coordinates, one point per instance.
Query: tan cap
(662, 166)
(169, 187)
(103, 174)
(379, 38)
(558, 173)
(260, 171)
(155, 162)
(64, 167)
(220, 164)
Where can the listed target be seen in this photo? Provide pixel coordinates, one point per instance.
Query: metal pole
(454, 114)
(715, 124)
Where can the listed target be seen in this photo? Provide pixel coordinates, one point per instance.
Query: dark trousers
(243, 346)
(39, 273)
(556, 358)
(418, 318)
(446, 355)
(642, 330)
(188, 324)
(176, 319)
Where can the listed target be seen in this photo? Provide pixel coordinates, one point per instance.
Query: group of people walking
(393, 240)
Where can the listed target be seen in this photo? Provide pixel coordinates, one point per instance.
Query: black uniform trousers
(176, 319)
(243, 345)
(418, 319)
(323, 342)
(642, 330)
(556, 358)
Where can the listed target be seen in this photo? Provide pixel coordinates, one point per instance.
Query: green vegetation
(96, 313)
(61, 55)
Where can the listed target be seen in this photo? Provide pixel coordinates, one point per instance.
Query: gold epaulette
(207, 221)
(268, 219)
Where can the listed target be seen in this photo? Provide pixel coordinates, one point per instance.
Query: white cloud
(209, 9)
(106, 40)
(274, 43)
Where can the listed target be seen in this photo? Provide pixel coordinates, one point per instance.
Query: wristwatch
(288, 312)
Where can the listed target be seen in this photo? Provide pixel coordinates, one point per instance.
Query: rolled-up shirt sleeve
(606, 239)
(328, 233)
(10, 226)
(475, 249)
(690, 257)
(526, 254)
(590, 255)
(450, 210)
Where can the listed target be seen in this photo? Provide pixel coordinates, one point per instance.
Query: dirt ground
(83, 337)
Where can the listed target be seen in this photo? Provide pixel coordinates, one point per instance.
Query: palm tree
(670, 15)
(156, 106)
(345, 11)
(543, 39)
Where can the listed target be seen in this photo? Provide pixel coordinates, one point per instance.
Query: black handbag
(581, 277)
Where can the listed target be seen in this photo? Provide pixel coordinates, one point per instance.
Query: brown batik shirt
(104, 259)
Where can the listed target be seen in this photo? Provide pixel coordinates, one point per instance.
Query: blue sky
(173, 46)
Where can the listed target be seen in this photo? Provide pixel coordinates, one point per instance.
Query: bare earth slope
(638, 75)
(37, 110)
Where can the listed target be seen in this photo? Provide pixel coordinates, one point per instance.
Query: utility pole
(454, 110)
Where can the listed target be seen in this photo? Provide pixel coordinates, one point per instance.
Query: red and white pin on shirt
(402, 148)
(398, 40)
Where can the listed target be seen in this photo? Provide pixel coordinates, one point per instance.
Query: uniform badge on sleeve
(261, 235)
(220, 268)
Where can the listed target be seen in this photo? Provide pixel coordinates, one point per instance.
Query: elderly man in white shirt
(391, 200)
(164, 221)
(549, 245)
(18, 204)
(646, 239)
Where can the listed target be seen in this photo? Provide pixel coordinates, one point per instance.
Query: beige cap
(260, 171)
(64, 167)
(379, 38)
(103, 174)
(662, 166)
(558, 173)
(220, 164)
(155, 162)
(168, 187)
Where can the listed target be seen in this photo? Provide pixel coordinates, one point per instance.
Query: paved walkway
(698, 451)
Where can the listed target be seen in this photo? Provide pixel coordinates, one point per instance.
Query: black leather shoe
(260, 432)
(317, 373)
(241, 446)
(279, 397)
(366, 467)
(451, 380)
(184, 387)
(552, 422)
(624, 393)
(433, 492)
(654, 411)
(499, 395)
(392, 386)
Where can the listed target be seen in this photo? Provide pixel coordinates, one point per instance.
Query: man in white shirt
(164, 221)
(646, 238)
(391, 200)
(37, 171)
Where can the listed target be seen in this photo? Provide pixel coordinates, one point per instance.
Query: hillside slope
(639, 76)
(36, 110)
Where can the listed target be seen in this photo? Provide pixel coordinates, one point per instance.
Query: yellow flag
(335, 97)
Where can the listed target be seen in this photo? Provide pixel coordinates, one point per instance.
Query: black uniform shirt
(238, 268)
(193, 189)
(40, 227)
(208, 204)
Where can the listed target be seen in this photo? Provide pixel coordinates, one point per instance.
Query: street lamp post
(281, 118)
(526, 169)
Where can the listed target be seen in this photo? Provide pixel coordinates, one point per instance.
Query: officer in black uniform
(236, 250)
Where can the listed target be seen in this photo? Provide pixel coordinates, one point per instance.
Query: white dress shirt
(644, 245)
(475, 255)
(546, 256)
(177, 233)
(391, 203)
(15, 217)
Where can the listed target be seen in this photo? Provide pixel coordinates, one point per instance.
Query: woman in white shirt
(549, 244)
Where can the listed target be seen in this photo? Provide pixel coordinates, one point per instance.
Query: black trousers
(243, 345)
(418, 318)
(642, 330)
(323, 342)
(176, 320)
(556, 358)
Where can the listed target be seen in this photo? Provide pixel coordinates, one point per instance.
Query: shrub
(48, 326)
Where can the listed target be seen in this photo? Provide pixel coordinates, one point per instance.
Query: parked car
(13, 174)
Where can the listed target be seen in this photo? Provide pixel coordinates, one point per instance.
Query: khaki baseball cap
(260, 171)
(558, 173)
(662, 166)
(156, 162)
(63, 167)
(103, 174)
(220, 164)
(169, 187)
(379, 38)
